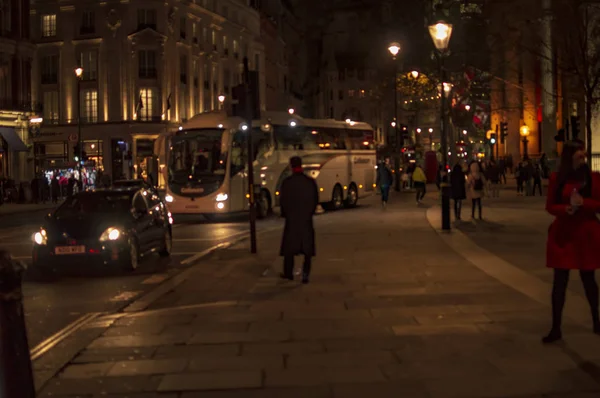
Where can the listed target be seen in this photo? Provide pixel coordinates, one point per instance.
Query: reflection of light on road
(154, 280)
(125, 296)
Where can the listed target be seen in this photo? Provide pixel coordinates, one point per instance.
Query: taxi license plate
(70, 250)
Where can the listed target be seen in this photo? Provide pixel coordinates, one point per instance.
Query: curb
(504, 272)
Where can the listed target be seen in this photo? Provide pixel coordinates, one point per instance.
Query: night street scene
(299, 198)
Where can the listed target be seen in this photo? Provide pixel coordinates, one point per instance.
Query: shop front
(115, 150)
(10, 147)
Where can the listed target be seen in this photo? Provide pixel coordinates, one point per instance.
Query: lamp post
(79, 75)
(440, 34)
(524, 131)
(394, 49)
(221, 99)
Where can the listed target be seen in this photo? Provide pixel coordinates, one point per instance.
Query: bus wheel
(337, 198)
(352, 197)
(263, 205)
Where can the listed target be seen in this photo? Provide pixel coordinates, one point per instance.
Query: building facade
(148, 66)
(16, 105)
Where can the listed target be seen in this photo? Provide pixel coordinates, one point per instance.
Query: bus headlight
(222, 197)
(111, 234)
(220, 205)
(169, 198)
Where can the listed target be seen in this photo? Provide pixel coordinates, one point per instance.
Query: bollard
(16, 376)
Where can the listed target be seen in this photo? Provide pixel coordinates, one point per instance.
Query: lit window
(147, 64)
(149, 100)
(350, 93)
(89, 106)
(49, 25)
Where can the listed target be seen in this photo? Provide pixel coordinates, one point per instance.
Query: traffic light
(493, 139)
(240, 99)
(560, 136)
(574, 127)
(503, 131)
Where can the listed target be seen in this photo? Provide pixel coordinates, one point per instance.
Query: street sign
(73, 137)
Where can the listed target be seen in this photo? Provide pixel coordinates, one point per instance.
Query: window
(226, 80)
(149, 102)
(341, 75)
(206, 77)
(256, 62)
(225, 45)
(49, 25)
(183, 69)
(236, 49)
(358, 139)
(147, 19)
(89, 63)
(49, 67)
(183, 94)
(147, 64)
(195, 33)
(214, 40)
(361, 74)
(88, 23)
(351, 93)
(89, 106)
(341, 95)
(204, 34)
(182, 28)
(51, 107)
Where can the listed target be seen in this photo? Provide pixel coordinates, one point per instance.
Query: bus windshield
(196, 155)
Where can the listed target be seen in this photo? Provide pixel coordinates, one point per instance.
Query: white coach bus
(203, 166)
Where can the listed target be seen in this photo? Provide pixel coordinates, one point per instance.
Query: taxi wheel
(133, 256)
(263, 205)
(167, 245)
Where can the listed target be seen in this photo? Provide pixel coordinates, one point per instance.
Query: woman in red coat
(574, 236)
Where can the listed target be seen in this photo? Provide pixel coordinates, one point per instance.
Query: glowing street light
(221, 98)
(418, 131)
(291, 111)
(394, 49)
(393, 124)
(415, 74)
(440, 34)
(467, 108)
(79, 72)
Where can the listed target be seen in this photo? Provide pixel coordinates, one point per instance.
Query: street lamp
(467, 108)
(393, 124)
(394, 49)
(440, 35)
(79, 75)
(221, 99)
(291, 111)
(524, 131)
(415, 74)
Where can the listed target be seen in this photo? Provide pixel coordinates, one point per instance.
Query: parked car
(115, 227)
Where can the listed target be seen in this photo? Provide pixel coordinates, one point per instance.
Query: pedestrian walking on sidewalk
(573, 237)
(458, 184)
(420, 182)
(520, 177)
(384, 180)
(493, 175)
(299, 200)
(476, 183)
(537, 179)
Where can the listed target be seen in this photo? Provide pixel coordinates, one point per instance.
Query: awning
(15, 144)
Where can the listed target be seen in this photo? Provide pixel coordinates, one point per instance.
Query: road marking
(125, 296)
(211, 239)
(154, 279)
(203, 253)
(45, 346)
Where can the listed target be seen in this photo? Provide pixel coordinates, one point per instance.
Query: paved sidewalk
(391, 311)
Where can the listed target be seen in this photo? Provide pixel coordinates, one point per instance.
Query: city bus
(203, 165)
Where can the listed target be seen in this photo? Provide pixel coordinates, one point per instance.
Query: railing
(595, 161)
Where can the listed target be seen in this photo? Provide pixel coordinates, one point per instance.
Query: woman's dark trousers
(457, 208)
(476, 202)
(559, 290)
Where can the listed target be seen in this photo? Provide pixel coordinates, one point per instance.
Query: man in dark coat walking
(299, 200)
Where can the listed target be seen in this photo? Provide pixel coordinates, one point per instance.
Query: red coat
(573, 240)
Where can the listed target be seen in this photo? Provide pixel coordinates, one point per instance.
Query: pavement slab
(391, 311)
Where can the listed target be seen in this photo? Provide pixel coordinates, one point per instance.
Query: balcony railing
(9, 104)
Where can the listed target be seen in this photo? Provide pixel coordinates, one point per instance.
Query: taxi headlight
(41, 237)
(169, 198)
(222, 197)
(110, 234)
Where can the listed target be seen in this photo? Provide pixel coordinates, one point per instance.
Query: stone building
(148, 66)
(16, 105)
